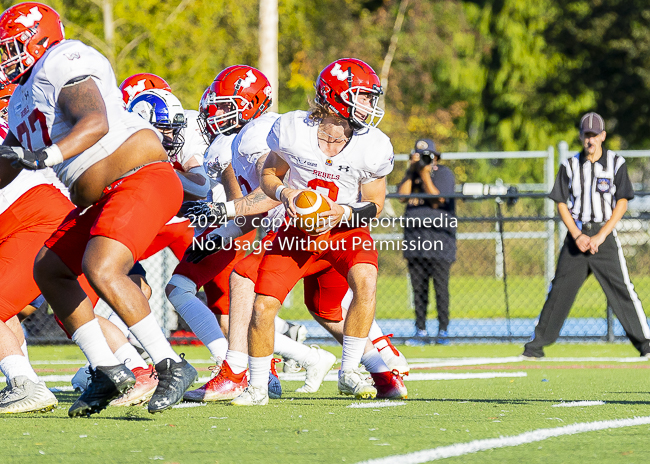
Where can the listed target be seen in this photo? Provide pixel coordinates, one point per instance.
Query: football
(309, 205)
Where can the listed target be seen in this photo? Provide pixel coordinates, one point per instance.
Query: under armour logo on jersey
(30, 19)
(251, 78)
(132, 90)
(344, 168)
(339, 73)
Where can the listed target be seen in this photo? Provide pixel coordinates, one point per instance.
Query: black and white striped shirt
(590, 190)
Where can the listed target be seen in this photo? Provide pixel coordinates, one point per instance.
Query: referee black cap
(592, 123)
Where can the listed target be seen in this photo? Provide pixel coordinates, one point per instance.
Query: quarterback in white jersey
(67, 113)
(336, 149)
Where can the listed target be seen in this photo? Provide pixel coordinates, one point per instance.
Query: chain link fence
(506, 256)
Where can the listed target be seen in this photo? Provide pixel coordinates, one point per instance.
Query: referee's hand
(584, 243)
(595, 242)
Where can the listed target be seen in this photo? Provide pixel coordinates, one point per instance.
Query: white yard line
(377, 404)
(332, 376)
(577, 404)
(461, 449)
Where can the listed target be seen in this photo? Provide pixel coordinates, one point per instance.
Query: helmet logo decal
(251, 78)
(339, 73)
(134, 89)
(30, 19)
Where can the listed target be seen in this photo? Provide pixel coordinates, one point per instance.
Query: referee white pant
(573, 268)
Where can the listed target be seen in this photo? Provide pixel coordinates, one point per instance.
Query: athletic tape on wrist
(278, 191)
(54, 155)
(231, 212)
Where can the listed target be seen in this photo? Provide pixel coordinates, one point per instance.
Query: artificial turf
(324, 428)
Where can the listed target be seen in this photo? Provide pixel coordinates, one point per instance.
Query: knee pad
(183, 293)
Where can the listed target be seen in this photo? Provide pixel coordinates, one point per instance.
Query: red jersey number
(23, 132)
(325, 187)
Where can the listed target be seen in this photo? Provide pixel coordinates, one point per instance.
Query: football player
(326, 292)
(69, 116)
(336, 149)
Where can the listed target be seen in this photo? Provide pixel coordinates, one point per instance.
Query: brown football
(309, 205)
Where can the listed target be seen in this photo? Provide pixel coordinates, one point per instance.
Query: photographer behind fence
(433, 259)
(591, 244)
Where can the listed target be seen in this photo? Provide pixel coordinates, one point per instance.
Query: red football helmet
(27, 30)
(138, 83)
(339, 86)
(238, 94)
(5, 94)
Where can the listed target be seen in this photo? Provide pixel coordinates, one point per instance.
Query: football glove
(33, 160)
(212, 244)
(215, 213)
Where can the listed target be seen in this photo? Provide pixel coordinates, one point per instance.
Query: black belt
(592, 225)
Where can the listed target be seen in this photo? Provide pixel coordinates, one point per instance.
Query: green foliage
(471, 74)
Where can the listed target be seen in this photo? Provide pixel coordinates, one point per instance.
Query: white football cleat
(317, 366)
(393, 358)
(354, 382)
(291, 366)
(81, 379)
(252, 396)
(296, 332)
(23, 395)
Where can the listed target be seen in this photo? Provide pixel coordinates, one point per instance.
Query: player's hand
(215, 213)
(24, 158)
(213, 243)
(584, 242)
(595, 242)
(329, 219)
(287, 196)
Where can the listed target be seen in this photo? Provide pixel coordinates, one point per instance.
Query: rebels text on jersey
(248, 147)
(37, 121)
(368, 156)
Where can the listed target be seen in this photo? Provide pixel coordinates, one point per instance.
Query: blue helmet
(165, 112)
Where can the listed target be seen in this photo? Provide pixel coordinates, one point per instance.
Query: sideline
(461, 449)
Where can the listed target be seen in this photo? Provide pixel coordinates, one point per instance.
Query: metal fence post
(549, 210)
(610, 324)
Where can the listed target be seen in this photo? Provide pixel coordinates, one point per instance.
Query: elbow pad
(193, 188)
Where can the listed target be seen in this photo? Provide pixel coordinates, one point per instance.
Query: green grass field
(324, 428)
(479, 297)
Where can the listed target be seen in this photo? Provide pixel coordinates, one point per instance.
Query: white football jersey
(37, 121)
(367, 157)
(216, 160)
(247, 148)
(194, 145)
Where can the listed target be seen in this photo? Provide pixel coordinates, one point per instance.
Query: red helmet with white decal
(238, 95)
(27, 30)
(138, 83)
(339, 87)
(6, 91)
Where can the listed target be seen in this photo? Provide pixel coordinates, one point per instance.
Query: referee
(591, 191)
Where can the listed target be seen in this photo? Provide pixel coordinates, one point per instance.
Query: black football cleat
(106, 384)
(174, 379)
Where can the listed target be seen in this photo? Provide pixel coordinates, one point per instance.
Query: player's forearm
(83, 135)
(195, 183)
(269, 182)
(256, 202)
(570, 224)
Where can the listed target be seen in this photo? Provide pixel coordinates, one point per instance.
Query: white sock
(119, 323)
(205, 326)
(281, 326)
(237, 361)
(375, 333)
(373, 362)
(23, 348)
(153, 340)
(259, 368)
(90, 338)
(130, 357)
(289, 348)
(353, 349)
(14, 365)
